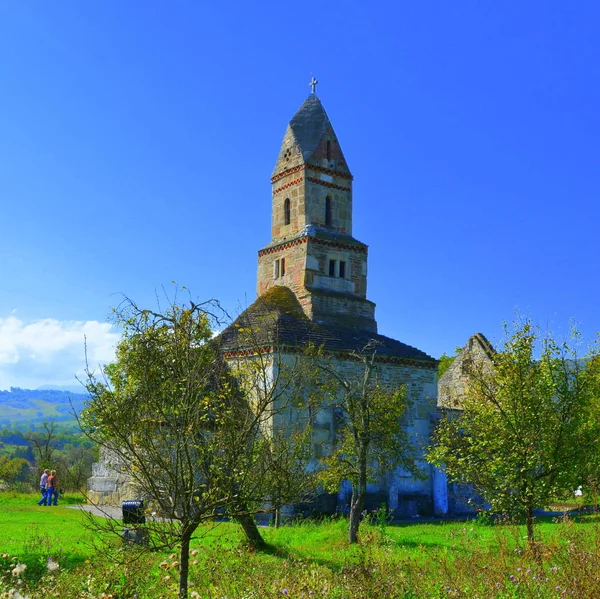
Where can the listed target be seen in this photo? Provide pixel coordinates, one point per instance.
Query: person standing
(52, 488)
(44, 487)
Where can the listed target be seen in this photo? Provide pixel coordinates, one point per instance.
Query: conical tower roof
(304, 140)
(309, 125)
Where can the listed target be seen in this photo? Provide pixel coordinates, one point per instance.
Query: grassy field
(310, 560)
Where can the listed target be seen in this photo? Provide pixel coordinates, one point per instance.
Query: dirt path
(102, 511)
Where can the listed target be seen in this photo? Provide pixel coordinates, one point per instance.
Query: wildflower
(195, 562)
(175, 565)
(15, 559)
(5, 556)
(172, 556)
(578, 492)
(166, 578)
(163, 565)
(19, 569)
(52, 565)
(284, 592)
(195, 595)
(195, 552)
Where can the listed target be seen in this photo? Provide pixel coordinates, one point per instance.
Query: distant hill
(77, 389)
(19, 407)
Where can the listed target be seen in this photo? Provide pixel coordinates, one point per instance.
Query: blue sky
(138, 139)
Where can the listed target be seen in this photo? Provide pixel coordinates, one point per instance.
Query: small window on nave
(332, 268)
(279, 268)
(287, 216)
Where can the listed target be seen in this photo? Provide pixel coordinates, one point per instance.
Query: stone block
(102, 484)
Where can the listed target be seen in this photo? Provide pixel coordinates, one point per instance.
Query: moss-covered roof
(276, 320)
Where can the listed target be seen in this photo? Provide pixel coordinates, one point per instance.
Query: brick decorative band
(283, 187)
(289, 171)
(361, 249)
(312, 167)
(282, 246)
(326, 184)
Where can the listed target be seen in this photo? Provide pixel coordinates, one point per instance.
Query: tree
(43, 443)
(193, 433)
(371, 436)
(13, 470)
(529, 428)
(75, 465)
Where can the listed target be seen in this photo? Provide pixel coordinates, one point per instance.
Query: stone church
(312, 289)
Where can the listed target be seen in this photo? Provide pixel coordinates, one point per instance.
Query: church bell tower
(312, 250)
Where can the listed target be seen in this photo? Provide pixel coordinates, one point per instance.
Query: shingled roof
(309, 125)
(276, 319)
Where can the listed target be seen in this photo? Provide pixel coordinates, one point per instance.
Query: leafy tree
(529, 429)
(371, 437)
(195, 435)
(13, 470)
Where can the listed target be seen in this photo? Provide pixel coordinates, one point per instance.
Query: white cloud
(51, 352)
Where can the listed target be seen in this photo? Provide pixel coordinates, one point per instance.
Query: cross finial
(313, 84)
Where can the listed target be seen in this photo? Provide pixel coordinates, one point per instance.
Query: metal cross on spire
(313, 84)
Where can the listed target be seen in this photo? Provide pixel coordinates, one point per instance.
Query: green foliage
(530, 425)
(371, 437)
(442, 560)
(50, 445)
(197, 437)
(445, 361)
(13, 470)
(377, 418)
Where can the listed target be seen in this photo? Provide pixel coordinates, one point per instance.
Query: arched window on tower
(286, 211)
(328, 150)
(328, 211)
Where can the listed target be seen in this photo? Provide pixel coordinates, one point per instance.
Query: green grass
(25, 525)
(439, 560)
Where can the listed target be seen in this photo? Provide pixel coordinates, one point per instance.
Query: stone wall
(402, 493)
(110, 484)
(453, 384)
(332, 299)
